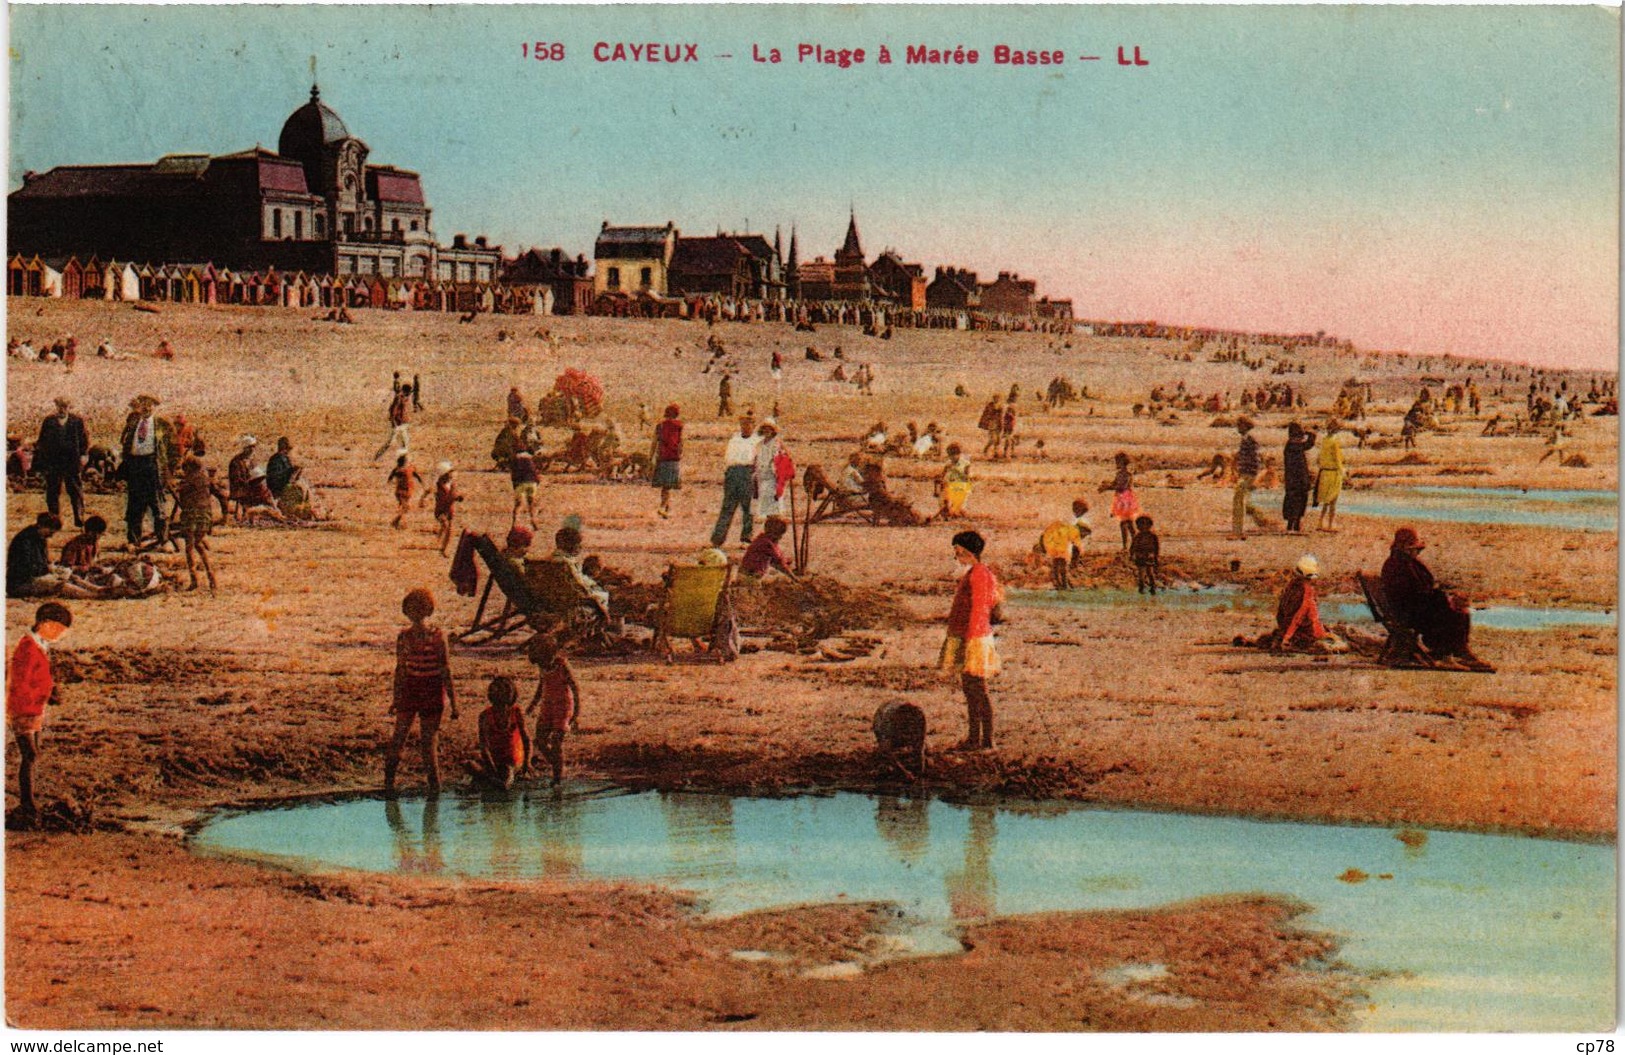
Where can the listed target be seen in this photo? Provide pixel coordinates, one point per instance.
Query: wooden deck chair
(1404, 647)
(556, 593)
(517, 601)
(693, 605)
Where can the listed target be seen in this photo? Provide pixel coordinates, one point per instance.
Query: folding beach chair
(517, 601)
(556, 594)
(696, 606)
(1404, 647)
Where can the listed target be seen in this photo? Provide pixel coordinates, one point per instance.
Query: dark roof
(275, 172)
(309, 128)
(176, 174)
(890, 259)
(386, 183)
(279, 174)
(756, 245)
(105, 181)
(540, 265)
(707, 256)
(631, 241)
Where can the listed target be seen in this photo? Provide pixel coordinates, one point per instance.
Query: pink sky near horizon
(1549, 297)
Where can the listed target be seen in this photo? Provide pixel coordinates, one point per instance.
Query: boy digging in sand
(560, 700)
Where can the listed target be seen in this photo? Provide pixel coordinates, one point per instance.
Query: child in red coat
(29, 687)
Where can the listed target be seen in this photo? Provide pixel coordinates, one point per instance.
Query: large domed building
(315, 205)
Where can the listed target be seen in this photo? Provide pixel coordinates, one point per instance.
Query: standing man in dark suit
(60, 451)
(147, 444)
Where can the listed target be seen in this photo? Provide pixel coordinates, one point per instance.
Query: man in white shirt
(146, 447)
(738, 483)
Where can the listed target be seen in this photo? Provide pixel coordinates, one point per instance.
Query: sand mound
(818, 608)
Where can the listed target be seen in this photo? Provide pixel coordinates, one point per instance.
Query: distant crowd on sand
(173, 501)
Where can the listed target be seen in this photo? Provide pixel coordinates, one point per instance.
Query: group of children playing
(424, 691)
(1062, 541)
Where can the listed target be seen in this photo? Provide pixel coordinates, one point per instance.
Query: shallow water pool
(1332, 609)
(1481, 932)
(1515, 506)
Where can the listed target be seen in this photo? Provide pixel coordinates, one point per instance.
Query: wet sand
(279, 686)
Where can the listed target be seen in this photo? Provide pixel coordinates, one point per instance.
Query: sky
(1439, 179)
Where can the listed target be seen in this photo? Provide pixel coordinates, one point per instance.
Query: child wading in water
(1125, 504)
(504, 743)
(423, 688)
(406, 481)
(970, 649)
(446, 497)
(29, 687)
(1145, 552)
(560, 700)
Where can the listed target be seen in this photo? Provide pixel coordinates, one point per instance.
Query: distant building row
(116, 280)
(317, 206)
(659, 262)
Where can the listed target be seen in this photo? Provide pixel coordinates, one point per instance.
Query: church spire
(852, 247)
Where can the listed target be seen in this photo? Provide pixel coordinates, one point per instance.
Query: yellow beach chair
(696, 607)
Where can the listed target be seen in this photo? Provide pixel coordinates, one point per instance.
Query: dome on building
(310, 128)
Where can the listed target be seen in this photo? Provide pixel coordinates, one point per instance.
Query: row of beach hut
(35, 276)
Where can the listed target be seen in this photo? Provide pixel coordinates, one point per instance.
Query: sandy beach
(182, 704)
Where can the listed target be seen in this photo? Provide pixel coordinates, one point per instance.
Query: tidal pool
(1332, 609)
(1466, 931)
(1533, 507)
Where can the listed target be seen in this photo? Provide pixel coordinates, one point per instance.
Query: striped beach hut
(120, 281)
(94, 277)
(64, 277)
(24, 276)
(209, 284)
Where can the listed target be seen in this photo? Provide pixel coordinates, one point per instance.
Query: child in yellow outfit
(1062, 543)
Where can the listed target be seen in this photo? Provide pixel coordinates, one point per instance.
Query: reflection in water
(558, 831)
(972, 890)
(498, 812)
(1482, 932)
(905, 824)
(422, 855)
(701, 830)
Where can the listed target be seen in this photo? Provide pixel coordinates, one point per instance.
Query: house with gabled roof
(633, 259)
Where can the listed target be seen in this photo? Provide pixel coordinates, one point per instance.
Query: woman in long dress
(1295, 476)
(1330, 481)
(770, 475)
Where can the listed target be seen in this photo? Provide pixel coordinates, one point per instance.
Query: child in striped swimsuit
(423, 688)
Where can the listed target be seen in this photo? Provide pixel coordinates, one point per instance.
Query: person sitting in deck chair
(1442, 618)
